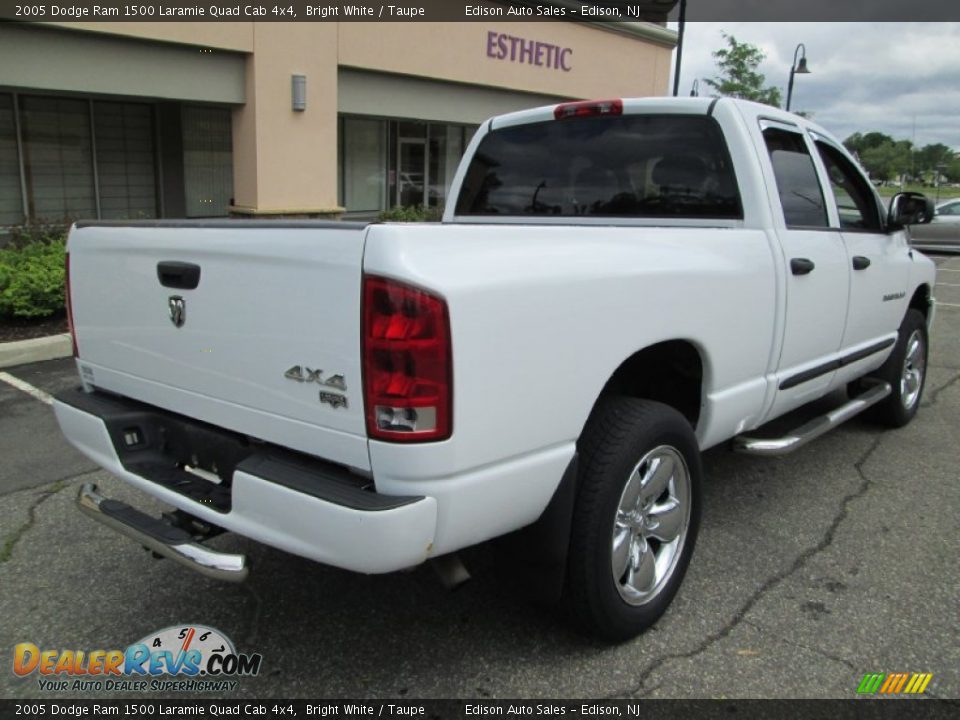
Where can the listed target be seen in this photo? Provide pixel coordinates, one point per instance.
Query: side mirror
(910, 208)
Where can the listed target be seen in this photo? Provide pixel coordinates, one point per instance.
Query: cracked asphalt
(810, 570)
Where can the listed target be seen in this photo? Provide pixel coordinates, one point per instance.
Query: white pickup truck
(615, 286)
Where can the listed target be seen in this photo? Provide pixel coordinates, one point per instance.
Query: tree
(739, 77)
(888, 161)
(952, 171)
(931, 156)
(859, 142)
(882, 156)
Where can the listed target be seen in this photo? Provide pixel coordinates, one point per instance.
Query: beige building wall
(603, 62)
(285, 162)
(41, 57)
(236, 36)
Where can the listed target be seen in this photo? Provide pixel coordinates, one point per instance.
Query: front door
(879, 262)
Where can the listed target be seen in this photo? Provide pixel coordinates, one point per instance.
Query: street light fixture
(797, 67)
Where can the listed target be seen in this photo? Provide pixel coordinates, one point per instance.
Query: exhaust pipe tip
(451, 570)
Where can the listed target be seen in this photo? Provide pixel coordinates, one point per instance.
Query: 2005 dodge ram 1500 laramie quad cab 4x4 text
(616, 285)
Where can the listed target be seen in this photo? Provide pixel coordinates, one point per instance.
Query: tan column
(285, 161)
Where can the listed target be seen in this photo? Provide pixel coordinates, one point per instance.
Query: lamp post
(695, 89)
(680, 32)
(797, 67)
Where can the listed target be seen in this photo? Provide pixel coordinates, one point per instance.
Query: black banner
(472, 709)
(478, 11)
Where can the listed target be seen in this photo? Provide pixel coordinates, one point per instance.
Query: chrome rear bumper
(160, 536)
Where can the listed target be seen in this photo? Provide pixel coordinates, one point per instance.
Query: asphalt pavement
(810, 571)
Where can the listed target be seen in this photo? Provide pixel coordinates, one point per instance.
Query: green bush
(24, 235)
(412, 213)
(31, 275)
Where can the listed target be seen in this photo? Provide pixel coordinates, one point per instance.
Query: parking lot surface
(810, 571)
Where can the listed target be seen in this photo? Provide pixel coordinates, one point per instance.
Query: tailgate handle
(179, 275)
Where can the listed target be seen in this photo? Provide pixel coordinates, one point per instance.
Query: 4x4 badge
(307, 375)
(178, 310)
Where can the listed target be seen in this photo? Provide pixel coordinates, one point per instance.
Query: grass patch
(946, 193)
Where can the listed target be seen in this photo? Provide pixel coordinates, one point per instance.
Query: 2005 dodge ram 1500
(615, 286)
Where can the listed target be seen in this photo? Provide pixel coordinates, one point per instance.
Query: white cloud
(864, 76)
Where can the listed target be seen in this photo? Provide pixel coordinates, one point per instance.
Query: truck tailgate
(267, 343)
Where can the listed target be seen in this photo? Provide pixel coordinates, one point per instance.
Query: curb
(20, 352)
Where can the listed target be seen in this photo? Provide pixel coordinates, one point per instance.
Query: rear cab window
(630, 166)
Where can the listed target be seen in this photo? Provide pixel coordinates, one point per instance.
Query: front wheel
(906, 371)
(636, 517)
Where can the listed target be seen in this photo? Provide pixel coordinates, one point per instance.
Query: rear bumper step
(302, 505)
(812, 429)
(160, 536)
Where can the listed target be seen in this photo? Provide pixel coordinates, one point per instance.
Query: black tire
(620, 434)
(904, 400)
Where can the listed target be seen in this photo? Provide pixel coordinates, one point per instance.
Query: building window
(207, 160)
(11, 197)
(411, 172)
(64, 159)
(58, 159)
(126, 170)
(386, 163)
(446, 148)
(363, 165)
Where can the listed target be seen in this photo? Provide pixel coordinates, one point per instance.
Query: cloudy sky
(864, 76)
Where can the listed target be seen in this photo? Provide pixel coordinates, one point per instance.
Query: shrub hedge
(412, 213)
(32, 274)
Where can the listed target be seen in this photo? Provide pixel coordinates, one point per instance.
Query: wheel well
(921, 300)
(670, 372)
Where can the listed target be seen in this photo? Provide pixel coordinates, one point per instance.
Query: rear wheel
(906, 371)
(636, 517)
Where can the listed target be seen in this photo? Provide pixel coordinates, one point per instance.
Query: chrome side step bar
(812, 429)
(161, 537)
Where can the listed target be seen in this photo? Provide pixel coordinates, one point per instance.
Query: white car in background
(948, 211)
(943, 233)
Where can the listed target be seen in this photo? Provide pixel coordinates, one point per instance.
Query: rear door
(817, 281)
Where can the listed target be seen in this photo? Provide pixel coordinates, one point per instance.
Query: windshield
(623, 166)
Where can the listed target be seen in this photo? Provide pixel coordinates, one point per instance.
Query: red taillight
(588, 108)
(407, 366)
(66, 293)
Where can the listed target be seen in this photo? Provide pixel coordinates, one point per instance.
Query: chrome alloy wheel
(651, 525)
(914, 365)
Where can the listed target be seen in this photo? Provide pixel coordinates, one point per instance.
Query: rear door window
(643, 166)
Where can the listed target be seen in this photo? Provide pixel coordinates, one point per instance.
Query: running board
(812, 429)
